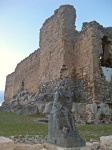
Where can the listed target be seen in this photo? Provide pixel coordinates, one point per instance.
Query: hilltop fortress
(84, 58)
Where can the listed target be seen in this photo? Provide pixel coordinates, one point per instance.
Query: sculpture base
(55, 147)
(68, 140)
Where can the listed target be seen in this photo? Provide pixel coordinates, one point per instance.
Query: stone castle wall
(83, 60)
(54, 37)
(102, 86)
(51, 60)
(65, 52)
(9, 86)
(26, 72)
(84, 65)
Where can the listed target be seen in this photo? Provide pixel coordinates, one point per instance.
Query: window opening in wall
(22, 85)
(106, 55)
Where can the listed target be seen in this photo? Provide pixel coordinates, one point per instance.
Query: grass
(94, 132)
(14, 125)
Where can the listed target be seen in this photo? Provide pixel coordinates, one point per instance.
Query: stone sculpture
(62, 129)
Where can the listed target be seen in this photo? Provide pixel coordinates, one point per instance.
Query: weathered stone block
(41, 107)
(104, 108)
(106, 142)
(48, 108)
(43, 149)
(28, 147)
(6, 143)
(7, 149)
(52, 147)
(91, 108)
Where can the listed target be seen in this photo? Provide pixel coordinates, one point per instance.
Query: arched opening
(106, 55)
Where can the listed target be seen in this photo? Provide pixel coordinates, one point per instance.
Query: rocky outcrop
(21, 103)
(41, 102)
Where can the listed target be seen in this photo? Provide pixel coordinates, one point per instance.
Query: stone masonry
(85, 57)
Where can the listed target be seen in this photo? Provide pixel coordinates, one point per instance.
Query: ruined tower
(84, 57)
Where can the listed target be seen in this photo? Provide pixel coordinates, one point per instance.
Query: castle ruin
(84, 57)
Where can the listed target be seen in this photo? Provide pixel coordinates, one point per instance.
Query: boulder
(104, 108)
(79, 110)
(106, 142)
(48, 107)
(28, 147)
(6, 144)
(41, 107)
(30, 110)
(91, 108)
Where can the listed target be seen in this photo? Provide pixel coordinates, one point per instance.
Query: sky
(21, 20)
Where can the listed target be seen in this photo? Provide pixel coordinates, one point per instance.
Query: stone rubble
(28, 147)
(92, 113)
(29, 139)
(42, 103)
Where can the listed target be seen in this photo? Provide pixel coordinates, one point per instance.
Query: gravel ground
(29, 139)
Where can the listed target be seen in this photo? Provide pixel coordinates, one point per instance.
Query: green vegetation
(94, 132)
(13, 125)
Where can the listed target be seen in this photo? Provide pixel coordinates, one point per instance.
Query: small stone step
(28, 147)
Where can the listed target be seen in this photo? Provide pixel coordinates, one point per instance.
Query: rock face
(83, 57)
(22, 103)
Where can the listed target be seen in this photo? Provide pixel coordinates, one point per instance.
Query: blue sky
(21, 20)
